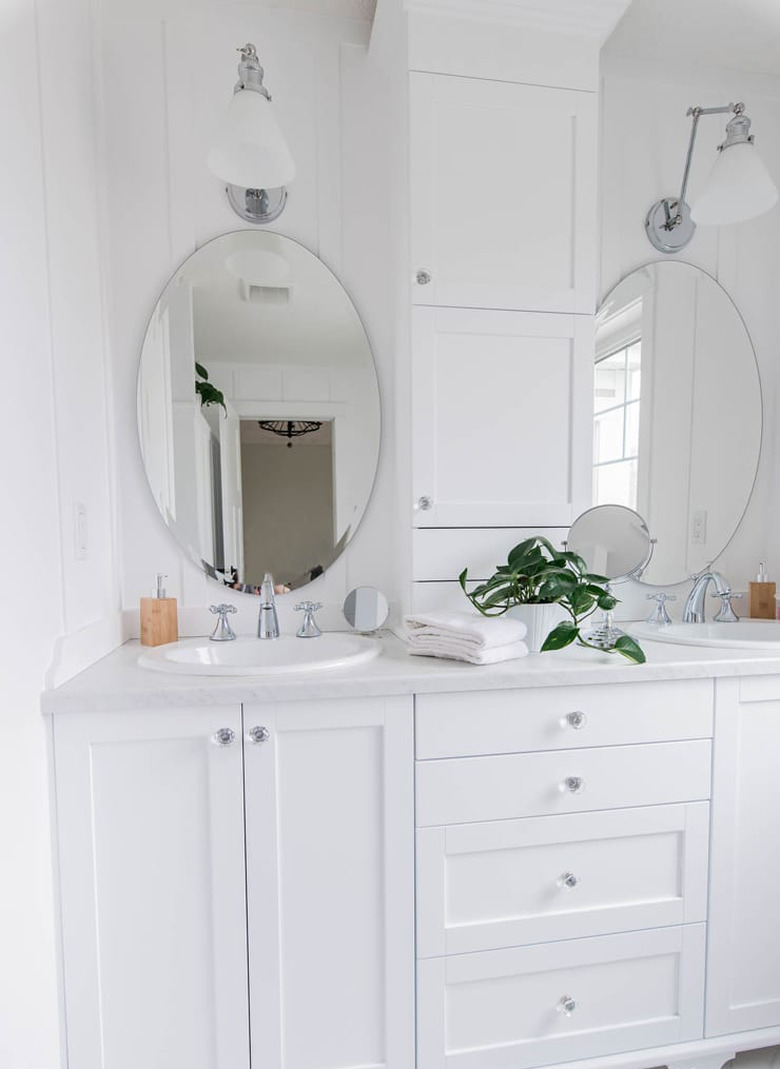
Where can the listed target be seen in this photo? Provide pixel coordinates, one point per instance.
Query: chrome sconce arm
(671, 223)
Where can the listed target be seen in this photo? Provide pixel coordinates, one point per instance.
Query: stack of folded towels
(465, 636)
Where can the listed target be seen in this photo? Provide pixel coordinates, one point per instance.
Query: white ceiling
(739, 34)
(349, 9)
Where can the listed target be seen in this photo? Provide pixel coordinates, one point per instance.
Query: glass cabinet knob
(573, 784)
(259, 734)
(576, 720)
(224, 737)
(423, 504)
(423, 277)
(567, 1006)
(568, 880)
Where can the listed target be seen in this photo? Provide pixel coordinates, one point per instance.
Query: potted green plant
(537, 574)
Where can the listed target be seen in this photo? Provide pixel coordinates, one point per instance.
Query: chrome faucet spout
(267, 619)
(693, 613)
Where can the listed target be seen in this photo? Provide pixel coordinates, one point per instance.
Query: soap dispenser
(159, 621)
(761, 596)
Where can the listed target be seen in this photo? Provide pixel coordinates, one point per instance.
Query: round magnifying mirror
(613, 540)
(258, 411)
(365, 609)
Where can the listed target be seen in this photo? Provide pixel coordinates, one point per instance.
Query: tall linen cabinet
(484, 126)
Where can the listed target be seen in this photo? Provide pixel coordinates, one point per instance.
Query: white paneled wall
(58, 612)
(644, 138)
(173, 70)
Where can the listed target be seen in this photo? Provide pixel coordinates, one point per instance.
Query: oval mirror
(677, 413)
(258, 411)
(365, 608)
(613, 540)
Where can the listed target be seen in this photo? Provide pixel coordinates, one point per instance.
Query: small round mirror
(613, 540)
(365, 609)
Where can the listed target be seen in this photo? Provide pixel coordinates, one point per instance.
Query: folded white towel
(452, 650)
(479, 632)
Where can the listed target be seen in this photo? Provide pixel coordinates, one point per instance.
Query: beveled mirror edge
(186, 552)
(762, 419)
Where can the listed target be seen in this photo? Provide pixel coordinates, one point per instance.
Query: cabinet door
(503, 194)
(151, 845)
(330, 865)
(743, 978)
(501, 417)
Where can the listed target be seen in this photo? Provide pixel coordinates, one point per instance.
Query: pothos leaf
(200, 370)
(560, 636)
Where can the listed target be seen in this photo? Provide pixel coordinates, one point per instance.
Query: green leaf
(560, 636)
(200, 370)
(581, 601)
(209, 395)
(607, 602)
(630, 649)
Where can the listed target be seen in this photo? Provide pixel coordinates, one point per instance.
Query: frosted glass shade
(251, 151)
(739, 188)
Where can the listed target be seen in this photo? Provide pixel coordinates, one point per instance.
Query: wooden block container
(159, 618)
(761, 600)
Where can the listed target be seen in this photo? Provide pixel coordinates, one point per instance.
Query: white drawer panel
(487, 886)
(501, 1009)
(491, 722)
(461, 790)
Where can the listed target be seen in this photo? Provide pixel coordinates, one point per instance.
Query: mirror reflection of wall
(677, 413)
(258, 411)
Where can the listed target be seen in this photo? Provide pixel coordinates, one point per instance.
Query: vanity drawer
(465, 789)
(541, 718)
(505, 1008)
(514, 882)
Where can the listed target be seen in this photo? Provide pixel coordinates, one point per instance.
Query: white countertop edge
(118, 683)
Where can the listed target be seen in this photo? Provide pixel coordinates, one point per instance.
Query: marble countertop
(117, 682)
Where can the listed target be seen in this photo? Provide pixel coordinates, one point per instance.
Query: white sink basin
(747, 634)
(256, 657)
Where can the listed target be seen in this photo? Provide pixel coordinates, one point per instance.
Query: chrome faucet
(267, 620)
(693, 613)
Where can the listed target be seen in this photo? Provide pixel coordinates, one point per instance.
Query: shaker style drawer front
(463, 790)
(558, 1002)
(515, 882)
(558, 718)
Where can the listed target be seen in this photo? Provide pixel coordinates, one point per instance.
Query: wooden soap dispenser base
(159, 620)
(761, 597)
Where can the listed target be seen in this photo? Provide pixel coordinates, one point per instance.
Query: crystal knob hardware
(567, 1006)
(424, 504)
(259, 734)
(573, 784)
(224, 737)
(423, 277)
(568, 880)
(576, 720)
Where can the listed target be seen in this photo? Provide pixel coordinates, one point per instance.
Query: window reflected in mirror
(616, 426)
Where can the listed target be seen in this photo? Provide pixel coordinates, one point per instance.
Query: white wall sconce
(251, 154)
(739, 186)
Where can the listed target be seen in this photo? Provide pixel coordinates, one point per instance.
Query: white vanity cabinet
(236, 886)
(561, 872)
(150, 830)
(330, 877)
(743, 990)
(488, 449)
(503, 188)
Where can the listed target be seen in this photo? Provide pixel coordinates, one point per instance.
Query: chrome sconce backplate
(258, 206)
(669, 226)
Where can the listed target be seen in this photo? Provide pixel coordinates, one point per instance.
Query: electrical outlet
(81, 542)
(699, 528)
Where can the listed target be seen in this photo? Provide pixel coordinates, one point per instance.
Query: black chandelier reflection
(289, 428)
